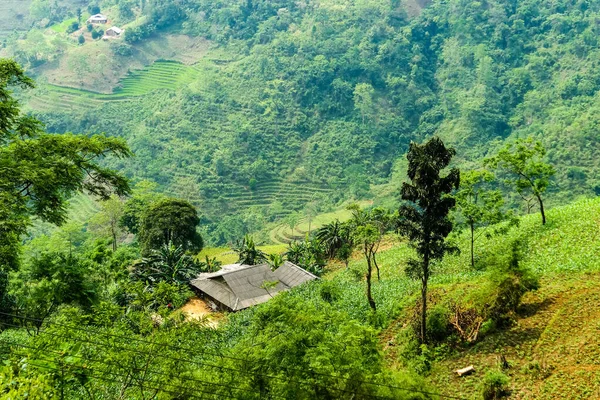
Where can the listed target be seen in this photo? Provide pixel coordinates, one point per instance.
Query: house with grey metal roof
(239, 286)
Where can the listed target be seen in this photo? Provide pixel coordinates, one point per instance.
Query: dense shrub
(494, 386)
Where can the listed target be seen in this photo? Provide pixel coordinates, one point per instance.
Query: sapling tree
(522, 163)
(424, 217)
(479, 206)
(368, 229)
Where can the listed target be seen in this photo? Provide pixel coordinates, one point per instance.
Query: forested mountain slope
(310, 102)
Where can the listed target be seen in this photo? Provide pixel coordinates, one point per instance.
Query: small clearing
(96, 67)
(197, 309)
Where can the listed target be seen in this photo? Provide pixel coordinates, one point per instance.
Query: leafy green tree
(292, 220)
(335, 237)
(50, 280)
(247, 252)
(424, 218)
(39, 172)
(73, 27)
(367, 230)
(363, 100)
(479, 206)
(168, 264)
(81, 39)
(142, 196)
(522, 162)
(170, 221)
(93, 9)
(108, 221)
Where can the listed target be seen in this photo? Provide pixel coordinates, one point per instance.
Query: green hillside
(330, 96)
(551, 346)
(367, 142)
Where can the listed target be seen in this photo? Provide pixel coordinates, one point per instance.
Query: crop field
(282, 233)
(552, 348)
(159, 75)
(167, 75)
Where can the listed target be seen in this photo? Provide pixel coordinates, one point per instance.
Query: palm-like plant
(170, 264)
(247, 252)
(334, 237)
(308, 254)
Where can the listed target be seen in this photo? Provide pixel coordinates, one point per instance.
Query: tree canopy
(170, 222)
(424, 218)
(39, 172)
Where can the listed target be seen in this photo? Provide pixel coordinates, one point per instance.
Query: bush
(438, 323)
(94, 9)
(81, 39)
(495, 386)
(122, 49)
(73, 27)
(329, 291)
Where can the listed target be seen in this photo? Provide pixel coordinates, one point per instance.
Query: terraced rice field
(282, 233)
(232, 198)
(169, 75)
(160, 75)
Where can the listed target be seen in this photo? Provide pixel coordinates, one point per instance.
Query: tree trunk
(541, 209)
(114, 238)
(369, 296)
(424, 282)
(376, 267)
(472, 244)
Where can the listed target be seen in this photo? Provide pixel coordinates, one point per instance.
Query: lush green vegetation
(268, 135)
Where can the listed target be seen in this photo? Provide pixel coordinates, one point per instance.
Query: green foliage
(336, 239)
(527, 173)
(494, 386)
(50, 280)
(41, 171)
(247, 252)
(317, 352)
(479, 206)
(168, 264)
(170, 221)
(97, 34)
(93, 8)
(308, 254)
(81, 39)
(424, 220)
(367, 229)
(73, 27)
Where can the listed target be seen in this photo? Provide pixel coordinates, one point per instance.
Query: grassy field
(553, 346)
(96, 67)
(227, 256)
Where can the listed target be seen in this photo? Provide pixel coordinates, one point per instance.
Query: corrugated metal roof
(292, 275)
(240, 286)
(252, 282)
